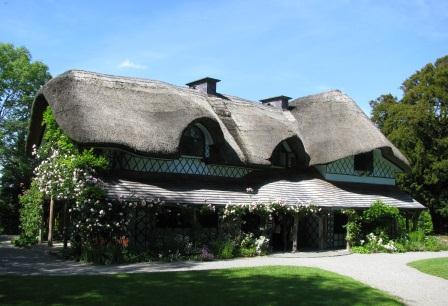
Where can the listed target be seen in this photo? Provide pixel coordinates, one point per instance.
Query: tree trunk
(50, 222)
(295, 230)
(65, 225)
(322, 232)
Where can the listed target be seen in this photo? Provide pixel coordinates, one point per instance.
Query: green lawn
(435, 266)
(249, 286)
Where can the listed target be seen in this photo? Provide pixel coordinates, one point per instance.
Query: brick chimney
(279, 102)
(206, 85)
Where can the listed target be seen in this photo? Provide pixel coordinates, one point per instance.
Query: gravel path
(387, 272)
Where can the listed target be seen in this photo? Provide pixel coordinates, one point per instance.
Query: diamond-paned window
(183, 165)
(381, 167)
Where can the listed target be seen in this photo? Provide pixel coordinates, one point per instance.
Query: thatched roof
(149, 117)
(335, 127)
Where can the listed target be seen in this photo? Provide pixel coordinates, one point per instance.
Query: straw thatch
(334, 127)
(149, 117)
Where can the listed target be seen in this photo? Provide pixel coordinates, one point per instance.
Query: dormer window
(196, 141)
(364, 162)
(283, 156)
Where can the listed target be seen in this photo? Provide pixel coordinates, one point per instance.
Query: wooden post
(41, 228)
(195, 217)
(407, 221)
(50, 222)
(415, 215)
(295, 236)
(65, 224)
(39, 239)
(321, 233)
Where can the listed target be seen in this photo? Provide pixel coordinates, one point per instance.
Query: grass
(273, 285)
(434, 266)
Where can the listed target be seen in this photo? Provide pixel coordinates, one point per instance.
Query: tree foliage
(20, 79)
(418, 125)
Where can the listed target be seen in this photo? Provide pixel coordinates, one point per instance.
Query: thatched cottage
(193, 145)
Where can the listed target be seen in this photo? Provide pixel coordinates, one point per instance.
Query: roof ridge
(336, 91)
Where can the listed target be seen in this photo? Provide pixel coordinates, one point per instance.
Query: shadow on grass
(248, 286)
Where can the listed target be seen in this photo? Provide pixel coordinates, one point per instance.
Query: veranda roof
(303, 188)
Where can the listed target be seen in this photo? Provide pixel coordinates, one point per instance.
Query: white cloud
(128, 64)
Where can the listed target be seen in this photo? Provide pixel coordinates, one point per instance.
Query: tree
(20, 79)
(418, 125)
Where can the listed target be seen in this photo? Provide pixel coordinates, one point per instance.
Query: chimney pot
(206, 85)
(281, 102)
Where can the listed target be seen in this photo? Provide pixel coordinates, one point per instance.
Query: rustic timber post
(406, 215)
(65, 224)
(415, 215)
(321, 233)
(195, 217)
(50, 222)
(41, 227)
(295, 230)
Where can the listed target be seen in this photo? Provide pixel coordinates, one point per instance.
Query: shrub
(379, 244)
(206, 254)
(382, 218)
(261, 245)
(30, 216)
(424, 222)
(248, 247)
(132, 256)
(248, 251)
(102, 254)
(353, 227)
(224, 248)
(418, 241)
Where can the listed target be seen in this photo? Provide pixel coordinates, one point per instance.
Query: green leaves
(30, 215)
(64, 169)
(418, 125)
(20, 79)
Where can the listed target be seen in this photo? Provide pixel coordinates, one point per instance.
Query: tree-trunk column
(50, 222)
(321, 232)
(65, 225)
(295, 236)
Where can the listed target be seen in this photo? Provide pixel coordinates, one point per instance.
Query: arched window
(283, 156)
(196, 141)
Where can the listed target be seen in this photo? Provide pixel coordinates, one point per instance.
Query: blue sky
(258, 49)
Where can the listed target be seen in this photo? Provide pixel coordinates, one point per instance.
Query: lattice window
(139, 229)
(381, 167)
(183, 165)
(309, 232)
(342, 166)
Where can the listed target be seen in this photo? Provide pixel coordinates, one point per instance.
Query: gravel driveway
(387, 272)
